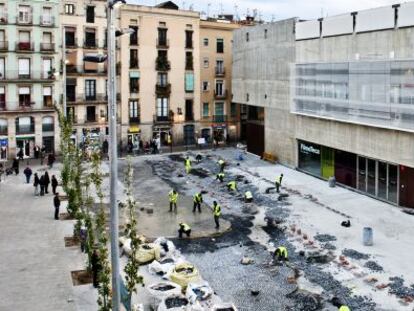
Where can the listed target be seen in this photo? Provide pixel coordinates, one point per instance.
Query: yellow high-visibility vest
(232, 185)
(248, 195)
(185, 227)
(344, 308)
(217, 210)
(282, 251)
(173, 196)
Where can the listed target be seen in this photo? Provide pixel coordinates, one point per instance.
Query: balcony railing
(164, 89)
(4, 45)
(48, 21)
(90, 44)
(220, 71)
(47, 47)
(220, 95)
(86, 98)
(162, 44)
(33, 75)
(162, 119)
(24, 46)
(135, 120)
(162, 64)
(25, 129)
(27, 20)
(72, 69)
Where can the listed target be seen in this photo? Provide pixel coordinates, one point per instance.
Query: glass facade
(379, 93)
(386, 181)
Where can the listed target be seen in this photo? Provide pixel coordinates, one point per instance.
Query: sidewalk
(34, 264)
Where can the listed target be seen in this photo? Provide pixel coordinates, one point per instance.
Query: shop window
(392, 183)
(310, 158)
(345, 168)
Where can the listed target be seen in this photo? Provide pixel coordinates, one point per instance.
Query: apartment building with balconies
(29, 67)
(219, 116)
(160, 74)
(84, 25)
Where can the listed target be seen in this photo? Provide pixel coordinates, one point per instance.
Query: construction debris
(354, 254)
(373, 266)
(324, 238)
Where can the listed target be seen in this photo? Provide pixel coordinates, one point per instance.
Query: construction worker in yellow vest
(220, 176)
(187, 164)
(173, 197)
(281, 254)
(248, 197)
(232, 186)
(341, 307)
(216, 213)
(184, 228)
(344, 308)
(278, 182)
(197, 199)
(221, 164)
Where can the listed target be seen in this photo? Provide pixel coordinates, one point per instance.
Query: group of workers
(281, 252)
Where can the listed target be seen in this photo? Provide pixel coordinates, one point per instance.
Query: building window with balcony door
(24, 68)
(133, 84)
(188, 39)
(2, 97)
(2, 68)
(134, 111)
(219, 87)
(189, 113)
(3, 14)
(24, 16)
(47, 69)
(71, 90)
(3, 42)
(162, 37)
(219, 67)
(70, 38)
(24, 96)
(162, 79)
(133, 58)
(162, 109)
(133, 38)
(233, 110)
(90, 113)
(24, 41)
(219, 112)
(90, 38)
(189, 61)
(3, 129)
(90, 14)
(205, 86)
(47, 17)
(90, 89)
(206, 110)
(69, 9)
(24, 125)
(220, 46)
(46, 44)
(47, 96)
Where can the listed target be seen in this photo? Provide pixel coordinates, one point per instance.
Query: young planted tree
(132, 267)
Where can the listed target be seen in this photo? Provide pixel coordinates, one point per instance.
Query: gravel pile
(398, 288)
(325, 238)
(373, 266)
(351, 253)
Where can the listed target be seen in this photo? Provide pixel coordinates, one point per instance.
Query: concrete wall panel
(406, 14)
(307, 30)
(337, 25)
(375, 19)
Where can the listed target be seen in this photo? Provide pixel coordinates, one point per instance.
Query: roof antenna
(208, 10)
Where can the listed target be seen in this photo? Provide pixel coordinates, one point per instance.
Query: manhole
(81, 277)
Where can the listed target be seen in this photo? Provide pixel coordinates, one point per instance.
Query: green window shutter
(189, 82)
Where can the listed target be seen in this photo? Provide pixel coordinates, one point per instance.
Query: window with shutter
(24, 68)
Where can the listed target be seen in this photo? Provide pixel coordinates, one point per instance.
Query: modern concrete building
(29, 63)
(84, 24)
(219, 116)
(160, 74)
(336, 96)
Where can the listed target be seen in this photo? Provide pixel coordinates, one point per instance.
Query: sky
(276, 9)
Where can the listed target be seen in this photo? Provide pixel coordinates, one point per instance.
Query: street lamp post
(64, 71)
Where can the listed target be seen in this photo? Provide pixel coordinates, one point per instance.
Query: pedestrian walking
(36, 151)
(54, 184)
(56, 203)
(42, 154)
(232, 186)
(184, 228)
(42, 185)
(222, 164)
(96, 267)
(28, 173)
(220, 177)
(278, 182)
(105, 148)
(173, 198)
(15, 166)
(281, 254)
(36, 184)
(216, 213)
(20, 154)
(47, 182)
(197, 200)
(50, 160)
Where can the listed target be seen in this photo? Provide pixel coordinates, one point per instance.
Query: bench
(269, 157)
